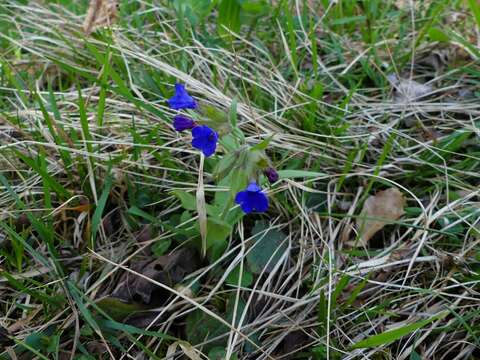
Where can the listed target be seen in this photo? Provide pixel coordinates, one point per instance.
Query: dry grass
(319, 297)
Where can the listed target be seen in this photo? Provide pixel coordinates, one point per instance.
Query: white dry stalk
(201, 206)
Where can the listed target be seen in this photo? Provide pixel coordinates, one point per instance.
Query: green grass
(98, 192)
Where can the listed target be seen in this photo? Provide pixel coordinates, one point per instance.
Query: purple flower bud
(271, 174)
(181, 123)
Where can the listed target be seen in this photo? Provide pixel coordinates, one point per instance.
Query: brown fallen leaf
(168, 269)
(292, 343)
(379, 210)
(100, 13)
(98, 349)
(406, 90)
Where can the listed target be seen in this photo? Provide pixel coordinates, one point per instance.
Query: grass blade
(395, 334)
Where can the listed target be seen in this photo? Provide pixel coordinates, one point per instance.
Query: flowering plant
(240, 167)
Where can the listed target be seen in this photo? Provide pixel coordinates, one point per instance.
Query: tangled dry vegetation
(370, 248)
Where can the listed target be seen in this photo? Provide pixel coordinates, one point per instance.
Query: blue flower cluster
(205, 139)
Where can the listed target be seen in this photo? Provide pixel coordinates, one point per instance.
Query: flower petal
(200, 131)
(198, 142)
(209, 148)
(253, 187)
(241, 197)
(260, 202)
(180, 89)
(181, 99)
(247, 207)
(252, 199)
(204, 139)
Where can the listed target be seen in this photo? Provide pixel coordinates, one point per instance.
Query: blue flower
(181, 99)
(181, 123)
(204, 139)
(252, 199)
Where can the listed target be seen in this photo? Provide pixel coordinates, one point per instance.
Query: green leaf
(413, 211)
(46, 233)
(225, 164)
(116, 309)
(268, 248)
(97, 215)
(356, 291)
(395, 334)
(233, 113)
(319, 352)
(234, 216)
(236, 180)
(213, 115)
(218, 231)
(86, 330)
(230, 142)
(229, 311)
(414, 356)
(189, 202)
(194, 10)
(130, 329)
(86, 313)
(263, 144)
(446, 147)
(54, 345)
(322, 314)
(36, 340)
(291, 174)
(103, 89)
(232, 278)
(217, 353)
(55, 300)
(256, 7)
(161, 247)
(136, 211)
(200, 326)
(475, 7)
(316, 201)
(34, 350)
(229, 16)
(435, 34)
(84, 123)
(52, 183)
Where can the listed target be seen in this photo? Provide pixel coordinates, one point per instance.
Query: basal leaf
(233, 277)
(218, 232)
(268, 247)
